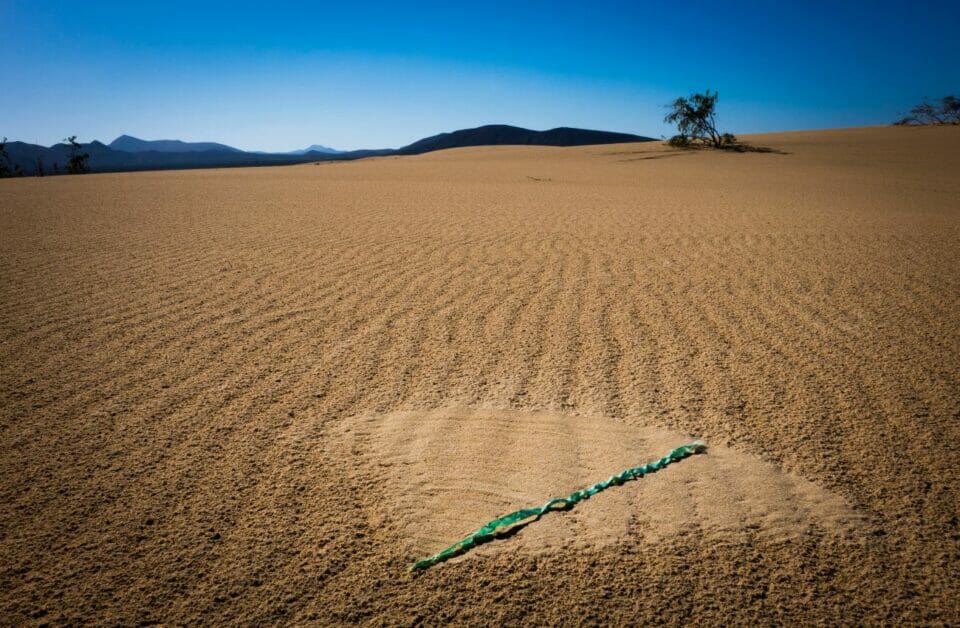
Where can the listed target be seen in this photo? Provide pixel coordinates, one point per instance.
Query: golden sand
(255, 395)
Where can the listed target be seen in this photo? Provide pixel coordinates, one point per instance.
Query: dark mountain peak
(488, 127)
(125, 141)
(315, 148)
(320, 148)
(504, 134)
(131, 144)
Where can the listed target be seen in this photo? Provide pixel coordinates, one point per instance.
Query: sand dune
(255, 395)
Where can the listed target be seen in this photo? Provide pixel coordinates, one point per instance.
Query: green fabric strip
(497, 526)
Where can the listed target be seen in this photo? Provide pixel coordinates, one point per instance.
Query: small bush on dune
(727, 140)
(946, 111)
(7, 169)
(696, 119)
(79, 161)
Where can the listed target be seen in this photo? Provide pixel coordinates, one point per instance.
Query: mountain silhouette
(132, 144)
(500, 134)
(315, 148)
(127, 153)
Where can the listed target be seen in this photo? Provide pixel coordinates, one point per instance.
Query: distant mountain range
(315, 148)
(130, 153)
(136, 145)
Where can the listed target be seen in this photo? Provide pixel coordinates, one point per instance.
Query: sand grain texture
(254, 395)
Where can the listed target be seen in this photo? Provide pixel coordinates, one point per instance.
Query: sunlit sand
(256, 394)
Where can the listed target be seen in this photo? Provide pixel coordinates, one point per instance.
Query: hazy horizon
(380, 77)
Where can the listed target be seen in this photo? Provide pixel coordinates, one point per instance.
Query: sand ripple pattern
(449, 471)
(180, 353)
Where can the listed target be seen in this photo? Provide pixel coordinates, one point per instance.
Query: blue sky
(282, 75)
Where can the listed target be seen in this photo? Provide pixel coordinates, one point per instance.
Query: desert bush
(727, 140)
(696, 120)
(7, 168)
(946, 111)
(78, 162)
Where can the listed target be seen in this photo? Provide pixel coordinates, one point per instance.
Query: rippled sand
(256, 395)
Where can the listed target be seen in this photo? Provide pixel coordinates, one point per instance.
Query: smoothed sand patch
(449, 471)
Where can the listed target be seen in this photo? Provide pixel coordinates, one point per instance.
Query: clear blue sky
(276, 75)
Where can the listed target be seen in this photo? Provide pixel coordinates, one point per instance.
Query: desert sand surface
(257, 395)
